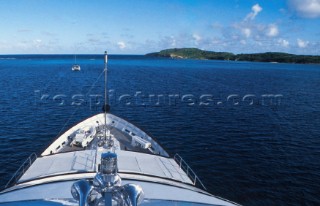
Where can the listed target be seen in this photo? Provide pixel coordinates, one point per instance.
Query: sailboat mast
(105, 91)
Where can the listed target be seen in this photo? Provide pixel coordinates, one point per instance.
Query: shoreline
(268, 57)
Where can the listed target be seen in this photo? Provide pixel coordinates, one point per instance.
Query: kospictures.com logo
(139, 98)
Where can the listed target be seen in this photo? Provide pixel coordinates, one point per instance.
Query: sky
(143, 26)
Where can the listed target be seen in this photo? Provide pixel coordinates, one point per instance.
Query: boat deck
(123, 138)
(138, 154)
(85, 162)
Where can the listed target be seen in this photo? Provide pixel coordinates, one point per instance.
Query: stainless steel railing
(22, 169)
(187, 169)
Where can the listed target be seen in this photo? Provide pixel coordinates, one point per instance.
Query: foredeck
(85, 162)
(138, 154)
(129, 136)
(123, 138)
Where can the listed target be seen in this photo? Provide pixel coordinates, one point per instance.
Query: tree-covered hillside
(194, 53)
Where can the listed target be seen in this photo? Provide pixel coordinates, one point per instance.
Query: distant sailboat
(75, 67)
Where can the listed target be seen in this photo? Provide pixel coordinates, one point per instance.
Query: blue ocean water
(249, 130)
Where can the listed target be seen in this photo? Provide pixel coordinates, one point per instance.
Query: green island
(274, 57)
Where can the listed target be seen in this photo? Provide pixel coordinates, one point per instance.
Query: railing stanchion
(190, 173)
(25, 165)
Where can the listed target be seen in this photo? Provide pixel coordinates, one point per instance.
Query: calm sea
(249, 130)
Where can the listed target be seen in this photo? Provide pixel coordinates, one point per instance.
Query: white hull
(76, 67)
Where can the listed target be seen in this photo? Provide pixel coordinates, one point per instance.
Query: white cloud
(302, 44)
(121, 45)
(170, 41)
(251, 29)
(38, 43)
(256, 9)
(306, 8)
(272, 30)
(254, 30)
(173, 42)
(246, 32)
(196, 37)
(283, 42)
